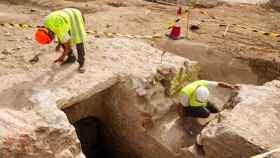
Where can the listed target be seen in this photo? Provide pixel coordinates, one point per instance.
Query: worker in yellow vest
(194, 98)
(68, 25)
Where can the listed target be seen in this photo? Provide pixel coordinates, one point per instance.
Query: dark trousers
(201, 112)
(81, 53)
(81, 49)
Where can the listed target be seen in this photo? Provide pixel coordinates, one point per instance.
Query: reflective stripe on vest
(190, 89)
(58, 24)
(77, 28)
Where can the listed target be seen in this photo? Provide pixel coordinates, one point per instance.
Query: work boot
(199, 149)
(70, 59)
(82, 69)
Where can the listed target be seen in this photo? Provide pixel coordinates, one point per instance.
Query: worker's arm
(57, 48)
(184, 102)
(64, 40)
(230, 86)
(181, 110)
(66, 51)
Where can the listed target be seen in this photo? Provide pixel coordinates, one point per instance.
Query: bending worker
(194, 98)
(68, 26)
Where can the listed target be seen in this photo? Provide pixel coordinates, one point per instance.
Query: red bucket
(175, 32)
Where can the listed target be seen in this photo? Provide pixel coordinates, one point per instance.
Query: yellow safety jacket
(67, 21)
(190, 89)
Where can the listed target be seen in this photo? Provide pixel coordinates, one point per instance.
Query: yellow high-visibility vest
(190, 89)
(63, 22)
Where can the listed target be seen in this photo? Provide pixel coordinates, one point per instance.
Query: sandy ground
(17, 46)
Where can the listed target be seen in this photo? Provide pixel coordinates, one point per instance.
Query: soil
(139, 17)
(241, 56)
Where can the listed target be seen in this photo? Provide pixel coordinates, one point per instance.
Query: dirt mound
(275, 4)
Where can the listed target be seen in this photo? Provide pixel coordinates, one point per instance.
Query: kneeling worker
(68, 26)
(194, 98)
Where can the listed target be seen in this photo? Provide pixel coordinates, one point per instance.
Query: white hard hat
(202, 94)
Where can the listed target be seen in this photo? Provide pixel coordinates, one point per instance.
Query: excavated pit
(116, 112)
(87, 117)
(112, 124)
(92, 135)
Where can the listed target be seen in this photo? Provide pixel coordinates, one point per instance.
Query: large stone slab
(251, 127)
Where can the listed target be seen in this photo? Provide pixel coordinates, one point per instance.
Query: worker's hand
(57, 48)
(230, 86)
(60, 59)
(235, 87)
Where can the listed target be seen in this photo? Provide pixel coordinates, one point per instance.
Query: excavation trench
(127, 121)
(117, 122)
(222, 66)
